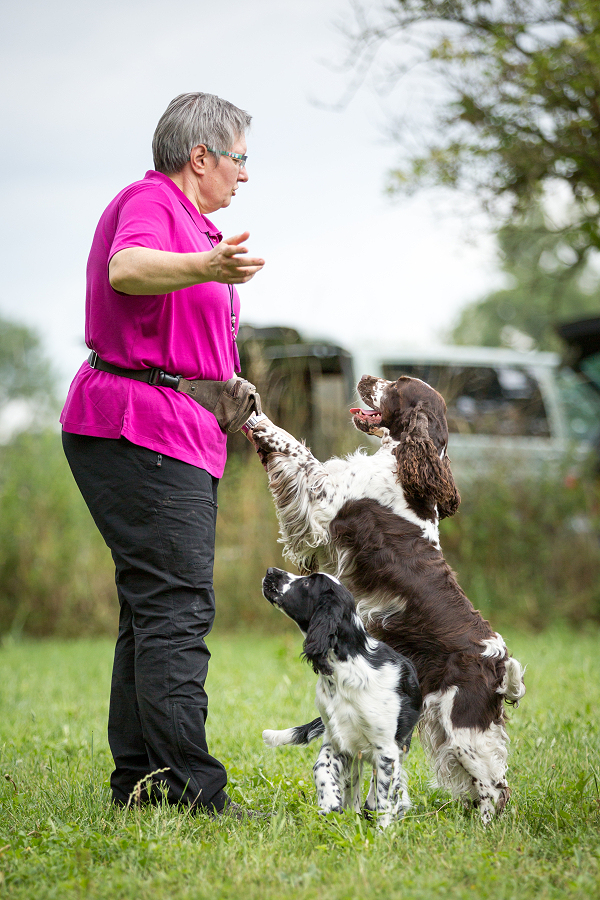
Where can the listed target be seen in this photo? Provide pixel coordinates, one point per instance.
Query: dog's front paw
(261, 437)
(268, 438)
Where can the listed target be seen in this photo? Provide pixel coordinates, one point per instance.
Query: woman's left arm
(145, 271)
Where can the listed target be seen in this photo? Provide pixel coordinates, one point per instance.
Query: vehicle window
(494, 400)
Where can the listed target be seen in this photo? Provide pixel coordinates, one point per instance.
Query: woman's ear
(421, 472)
(198, 158)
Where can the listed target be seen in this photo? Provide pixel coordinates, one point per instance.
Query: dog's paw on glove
(260, 433)
(235, 403)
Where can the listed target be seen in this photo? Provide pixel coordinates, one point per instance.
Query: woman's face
(221, 181)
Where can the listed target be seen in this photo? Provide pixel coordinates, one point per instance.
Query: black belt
(232, 402)
(150, 376)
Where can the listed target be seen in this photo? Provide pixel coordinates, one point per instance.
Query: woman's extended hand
(141, 270)
(228, 266)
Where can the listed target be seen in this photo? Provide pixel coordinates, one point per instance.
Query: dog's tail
(513, 686)
(302, 734)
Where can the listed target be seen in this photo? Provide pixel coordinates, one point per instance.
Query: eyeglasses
(239, 158)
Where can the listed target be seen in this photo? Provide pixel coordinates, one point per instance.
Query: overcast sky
(86, 82)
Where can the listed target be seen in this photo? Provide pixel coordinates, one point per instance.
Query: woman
(147, 457)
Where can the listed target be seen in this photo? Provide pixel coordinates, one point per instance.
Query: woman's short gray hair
(192, 119)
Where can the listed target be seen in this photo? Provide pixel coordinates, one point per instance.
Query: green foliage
(526, 552)
(544, 289)
(247, 533)
(522, 92)
(24, 371)
(59, 839)
(55, 575)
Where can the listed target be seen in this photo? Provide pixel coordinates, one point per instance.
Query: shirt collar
(203, 223)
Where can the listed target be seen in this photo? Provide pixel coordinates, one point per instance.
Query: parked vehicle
(521, 409)
(525, 410)
(582, 336)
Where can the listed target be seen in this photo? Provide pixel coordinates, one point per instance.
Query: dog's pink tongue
(364, 412)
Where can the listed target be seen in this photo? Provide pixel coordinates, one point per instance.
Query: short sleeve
(145, 219)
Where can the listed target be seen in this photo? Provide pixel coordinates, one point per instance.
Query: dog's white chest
(359, 706)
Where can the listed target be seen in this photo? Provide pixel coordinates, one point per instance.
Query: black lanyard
(230, 286)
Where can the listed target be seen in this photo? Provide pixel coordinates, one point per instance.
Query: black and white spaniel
(367, 694)
(373, 521)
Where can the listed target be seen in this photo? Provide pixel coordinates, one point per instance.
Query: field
(59, 838)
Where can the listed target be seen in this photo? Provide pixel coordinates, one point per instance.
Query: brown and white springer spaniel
(372, 520)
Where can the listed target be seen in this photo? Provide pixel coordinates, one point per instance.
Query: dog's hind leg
(483, 758)
(469, 762)
(329, 773)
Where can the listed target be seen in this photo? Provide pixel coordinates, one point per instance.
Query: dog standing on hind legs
(367, 694)
(373, 520)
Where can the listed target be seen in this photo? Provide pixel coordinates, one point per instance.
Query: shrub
(527, 554)
(55, 570)
(56, 573)
(527, 550)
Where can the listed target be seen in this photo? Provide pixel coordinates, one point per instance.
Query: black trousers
(158, 517)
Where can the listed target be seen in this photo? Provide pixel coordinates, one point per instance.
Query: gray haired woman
(162, 314)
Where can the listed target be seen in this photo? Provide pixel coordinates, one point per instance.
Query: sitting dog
(367, 694)
(373, 521)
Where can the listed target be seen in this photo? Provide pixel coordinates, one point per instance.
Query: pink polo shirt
(187, 332)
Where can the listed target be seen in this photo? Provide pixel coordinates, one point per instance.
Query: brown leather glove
(231, 402)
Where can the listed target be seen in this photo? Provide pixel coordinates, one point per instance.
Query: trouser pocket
(186, 528)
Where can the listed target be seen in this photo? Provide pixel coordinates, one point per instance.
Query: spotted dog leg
(329, 773)
(489, 789)
(269, 438)
(352, 783)
(302, 491)
(391, 795)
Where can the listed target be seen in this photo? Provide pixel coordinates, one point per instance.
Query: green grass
(60, 839)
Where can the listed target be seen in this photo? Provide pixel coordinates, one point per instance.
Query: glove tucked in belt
(231, 402)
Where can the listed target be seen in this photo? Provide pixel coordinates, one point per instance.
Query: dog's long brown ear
(421, 472)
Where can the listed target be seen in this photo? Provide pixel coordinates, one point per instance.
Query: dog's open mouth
(366, 419)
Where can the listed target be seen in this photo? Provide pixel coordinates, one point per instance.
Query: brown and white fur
(373, 521)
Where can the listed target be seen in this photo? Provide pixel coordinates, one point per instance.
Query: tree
(543, 290)
(25, 373)
(521, 107)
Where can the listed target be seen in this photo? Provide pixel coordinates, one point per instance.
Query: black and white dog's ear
(322, 629)
(420, 470)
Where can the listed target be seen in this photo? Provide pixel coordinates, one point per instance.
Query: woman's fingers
(244, 274)
(231, 253)
(230, 265)
(238, 238)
